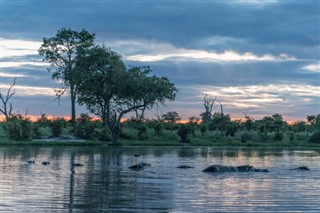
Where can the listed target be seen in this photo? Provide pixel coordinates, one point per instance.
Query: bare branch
(7, 112)
(209, 107)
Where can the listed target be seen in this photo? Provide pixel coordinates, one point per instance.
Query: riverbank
(75, 142)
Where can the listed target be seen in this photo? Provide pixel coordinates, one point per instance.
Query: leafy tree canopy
(110, 91)
(61, 52)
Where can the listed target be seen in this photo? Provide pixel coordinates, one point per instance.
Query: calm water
(105, 184)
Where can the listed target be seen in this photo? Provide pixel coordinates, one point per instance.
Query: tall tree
(61, 52)
(6, 109)
(110, 91)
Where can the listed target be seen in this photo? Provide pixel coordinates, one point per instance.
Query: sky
(256, 57)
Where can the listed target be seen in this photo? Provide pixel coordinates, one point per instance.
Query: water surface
(106, 184)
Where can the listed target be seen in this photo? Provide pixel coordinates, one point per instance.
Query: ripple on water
(105, 184)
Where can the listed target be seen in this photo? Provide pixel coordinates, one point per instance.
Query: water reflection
(105, 184)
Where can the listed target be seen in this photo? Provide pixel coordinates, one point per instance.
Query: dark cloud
(241, 73)
(182, 22)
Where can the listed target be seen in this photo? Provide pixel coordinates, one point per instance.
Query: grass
(170, 138)
(148, 143)
(6, 142)
(127, 142)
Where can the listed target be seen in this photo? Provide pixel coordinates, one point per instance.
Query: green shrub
(290, 136)
(142, 130)
(43, 121)
(203, 129)
(169, 135)
(231, 130)
(158, 127)
(215, 135)
(245, 137)
(170, 126)
(3, 132)
(128, 133)
(278, 136)
(183, 131)
(40, 130)
(264, 137)
(19, 128)
(315, 138)
(84, 127)
(56, 126)
(103, 134)
(302, 136)
(36, 130)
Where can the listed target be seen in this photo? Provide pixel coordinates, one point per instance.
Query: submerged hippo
(185, 167)
(77, 164)
(221, 168)
(303, 168)
(139, 166)
(45, 163)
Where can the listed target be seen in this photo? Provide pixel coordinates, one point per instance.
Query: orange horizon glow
(34, 118)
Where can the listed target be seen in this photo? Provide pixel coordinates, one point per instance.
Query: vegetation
(268, 131)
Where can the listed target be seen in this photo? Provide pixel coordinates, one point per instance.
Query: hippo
(45, 163)
(139, 166)
(185, 167)
(222, 168)
(301, 168)
(30, 161)
(77, 164)
(136, 167)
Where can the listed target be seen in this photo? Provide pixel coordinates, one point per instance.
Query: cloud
(205, 56)
(312, 68)
(10, 75)
(255, 2)
(24, 64)
(271, 93)
(17, 47)
(30, 90)
(291, 100)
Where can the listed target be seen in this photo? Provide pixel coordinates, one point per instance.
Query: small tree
(6, 109)
(171, 117)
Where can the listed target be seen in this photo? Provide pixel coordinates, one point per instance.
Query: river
(105, 183)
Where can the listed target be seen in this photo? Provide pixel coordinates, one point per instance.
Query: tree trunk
(115, 134)
(73, 105)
